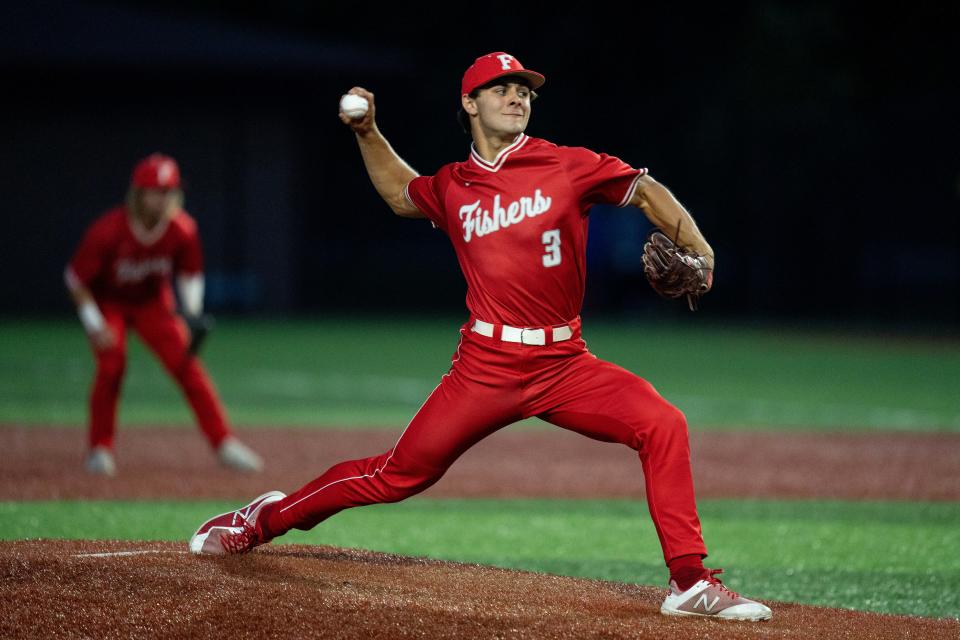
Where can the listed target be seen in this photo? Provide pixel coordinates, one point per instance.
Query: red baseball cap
(156, 171)
(495, 65)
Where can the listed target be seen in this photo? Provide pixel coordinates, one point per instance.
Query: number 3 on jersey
(551, 241)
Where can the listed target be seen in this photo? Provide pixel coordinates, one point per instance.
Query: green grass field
(887, 557)
(877, 556)
(355, 371)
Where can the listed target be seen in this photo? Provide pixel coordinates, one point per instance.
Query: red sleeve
(426, 194)
(88, 260)
(599, 178)
(190, 256)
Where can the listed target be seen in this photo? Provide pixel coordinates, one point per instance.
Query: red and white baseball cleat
(100, 462)
(234, 531)
(710, 598)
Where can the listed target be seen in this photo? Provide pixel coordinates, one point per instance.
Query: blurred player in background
(119, 278)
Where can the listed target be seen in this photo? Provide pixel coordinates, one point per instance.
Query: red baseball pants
(493, 384)
(168, 337)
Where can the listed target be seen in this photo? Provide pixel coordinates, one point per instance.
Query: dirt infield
(46, 463)
(156, 589)
(56, 589)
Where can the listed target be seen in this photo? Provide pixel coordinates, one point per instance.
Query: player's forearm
(87, 309)
(190, 287)
(666, 212)
(388, 171)
(81, 296)
(78, 291)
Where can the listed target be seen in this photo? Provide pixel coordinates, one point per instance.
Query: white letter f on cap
(164, 173)
(505, 61)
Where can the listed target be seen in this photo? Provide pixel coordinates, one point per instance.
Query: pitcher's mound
(102, 589)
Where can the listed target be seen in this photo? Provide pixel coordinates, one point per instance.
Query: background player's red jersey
(119, 260)
(519, 225)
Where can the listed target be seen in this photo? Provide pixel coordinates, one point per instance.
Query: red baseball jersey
(121, 261)
(519, 225)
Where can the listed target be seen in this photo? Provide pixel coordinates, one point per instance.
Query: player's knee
(188, 383)
(399, 484)
(654, 417)
(111, 367)
(672, 421)
(190, 377)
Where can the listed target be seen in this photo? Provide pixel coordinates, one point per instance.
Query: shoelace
(241, 541)
(717, 581)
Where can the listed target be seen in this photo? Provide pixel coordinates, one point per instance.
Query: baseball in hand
(354, 106)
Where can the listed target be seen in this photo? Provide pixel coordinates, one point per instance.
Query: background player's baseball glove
(199, 326)
(674, 272)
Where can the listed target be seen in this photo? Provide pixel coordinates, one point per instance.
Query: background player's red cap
(495, 65)
(156, 171)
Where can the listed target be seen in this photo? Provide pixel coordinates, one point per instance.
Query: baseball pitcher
(516, 211)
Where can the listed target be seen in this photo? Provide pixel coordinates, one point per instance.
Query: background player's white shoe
(238, 456)
(710, 598)
(233, 531)
(100, 462)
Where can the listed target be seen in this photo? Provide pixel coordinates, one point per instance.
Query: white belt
(523, 336)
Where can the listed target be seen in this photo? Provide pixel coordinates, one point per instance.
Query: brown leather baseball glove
(674, 272)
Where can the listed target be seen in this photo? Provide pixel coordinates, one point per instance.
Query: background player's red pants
(168, 337)
(492, 384)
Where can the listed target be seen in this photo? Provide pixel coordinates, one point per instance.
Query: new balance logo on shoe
(702, 602)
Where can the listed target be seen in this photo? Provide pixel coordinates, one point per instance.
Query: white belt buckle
(533, 336)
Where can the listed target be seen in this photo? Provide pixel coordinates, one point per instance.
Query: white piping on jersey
(457, 358)
(392, 451)
(375, 471)
(494, 166)
(633, 188)
(406, 194)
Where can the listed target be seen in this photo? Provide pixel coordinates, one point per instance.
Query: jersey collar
(494, 166)
(145, 236)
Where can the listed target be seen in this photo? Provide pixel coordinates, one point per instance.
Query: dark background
(817, 144)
